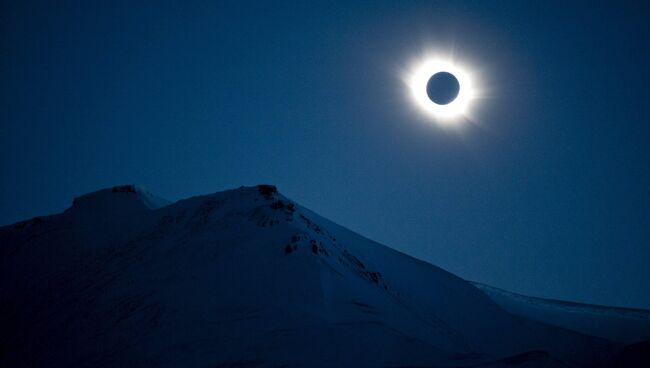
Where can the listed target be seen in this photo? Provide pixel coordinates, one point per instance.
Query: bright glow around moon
(452, 112)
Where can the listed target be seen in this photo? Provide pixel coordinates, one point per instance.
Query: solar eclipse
(441, 89)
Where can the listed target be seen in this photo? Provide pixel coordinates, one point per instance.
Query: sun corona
(418, 78)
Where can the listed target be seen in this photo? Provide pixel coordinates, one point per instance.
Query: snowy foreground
(248, 278)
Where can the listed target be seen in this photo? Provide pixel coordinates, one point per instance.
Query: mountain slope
(244, 278)
(620, 324)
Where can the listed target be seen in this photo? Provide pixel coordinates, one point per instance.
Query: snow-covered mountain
(247, 278)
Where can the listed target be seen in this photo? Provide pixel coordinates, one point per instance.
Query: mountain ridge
(626, 325)
(228, 276)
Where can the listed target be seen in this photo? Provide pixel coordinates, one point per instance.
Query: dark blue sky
(547, 194)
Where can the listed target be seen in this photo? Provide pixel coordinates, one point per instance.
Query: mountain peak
(122, 196)
(266, 189)
(248, 274)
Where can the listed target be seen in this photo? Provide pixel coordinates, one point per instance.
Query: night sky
(546, 191)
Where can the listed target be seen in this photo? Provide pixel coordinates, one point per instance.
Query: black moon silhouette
(443, 88)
